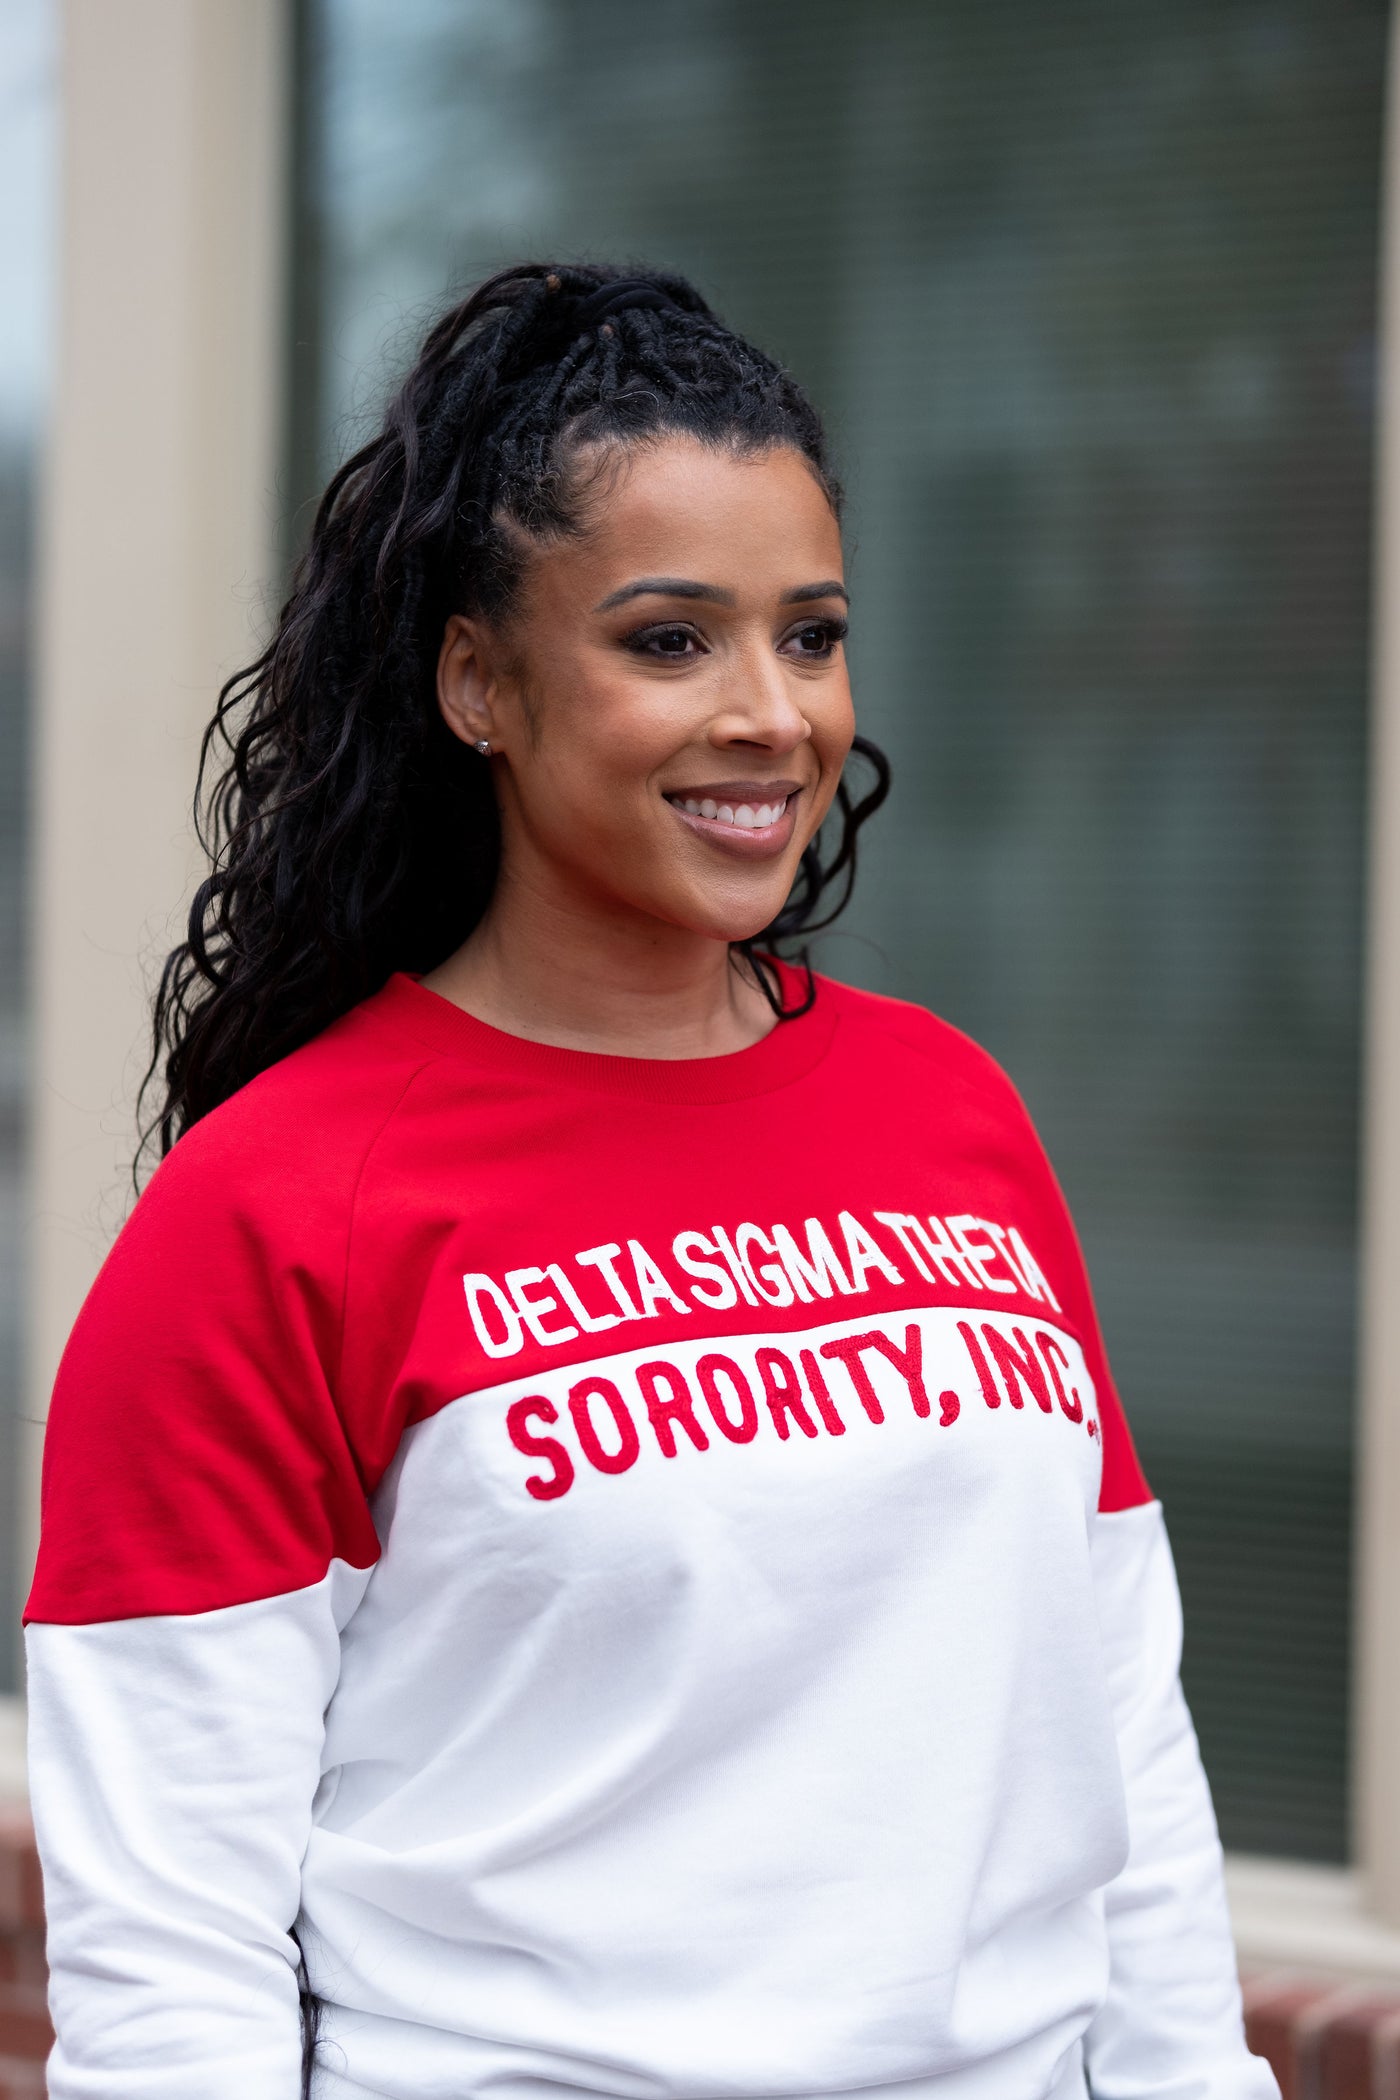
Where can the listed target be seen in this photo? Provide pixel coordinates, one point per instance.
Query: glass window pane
(1088, 292)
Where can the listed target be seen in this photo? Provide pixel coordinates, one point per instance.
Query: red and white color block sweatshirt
(643, 1563)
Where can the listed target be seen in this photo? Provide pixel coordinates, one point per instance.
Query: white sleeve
(173, 1765)
(1171, 2027)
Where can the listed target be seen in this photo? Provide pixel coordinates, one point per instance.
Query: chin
(731, 929)
(727, 919)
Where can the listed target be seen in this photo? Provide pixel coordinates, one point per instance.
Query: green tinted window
(1088, 294)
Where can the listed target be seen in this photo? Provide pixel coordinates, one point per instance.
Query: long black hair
(349, 833)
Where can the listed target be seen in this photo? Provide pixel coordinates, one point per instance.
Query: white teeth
(744, 816)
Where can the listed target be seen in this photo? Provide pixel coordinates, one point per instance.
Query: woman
(586, 1521)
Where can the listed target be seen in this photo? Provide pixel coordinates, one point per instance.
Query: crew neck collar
(787, 1053)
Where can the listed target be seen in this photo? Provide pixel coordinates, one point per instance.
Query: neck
(593, 977)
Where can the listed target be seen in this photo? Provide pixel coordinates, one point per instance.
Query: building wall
(157, 555)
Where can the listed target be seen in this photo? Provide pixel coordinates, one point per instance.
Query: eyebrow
(806, 592)
(710, 593)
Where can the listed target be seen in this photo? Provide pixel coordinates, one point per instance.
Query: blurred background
(1089, 293)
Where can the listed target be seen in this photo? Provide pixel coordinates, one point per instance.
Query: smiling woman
(665, 748)
(505, 1618)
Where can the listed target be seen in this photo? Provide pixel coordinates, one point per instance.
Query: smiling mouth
(744, 816)
(748, 816)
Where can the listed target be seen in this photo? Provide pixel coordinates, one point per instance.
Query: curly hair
(349, 833)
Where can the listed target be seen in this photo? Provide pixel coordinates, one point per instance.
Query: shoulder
(281, 1158)
(930, 1049)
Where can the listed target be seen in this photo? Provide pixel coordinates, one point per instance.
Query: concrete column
(1377, 1707)
(158, 525)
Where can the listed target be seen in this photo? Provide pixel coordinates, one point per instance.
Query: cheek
(596, 754)
(833, 727)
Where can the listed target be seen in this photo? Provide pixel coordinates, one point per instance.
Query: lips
(752, 814)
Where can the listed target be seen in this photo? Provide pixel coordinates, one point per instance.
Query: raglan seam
(351, 1209)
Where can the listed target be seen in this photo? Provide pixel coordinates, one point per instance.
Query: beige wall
(156, 535)
(1377, 1731)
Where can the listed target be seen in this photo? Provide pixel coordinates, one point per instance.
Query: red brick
(1345, 2056)
(1275, 2009)
(1385, 2057)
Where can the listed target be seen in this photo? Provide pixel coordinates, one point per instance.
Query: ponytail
(349, 833)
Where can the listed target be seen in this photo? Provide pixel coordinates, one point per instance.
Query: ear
(468, 680)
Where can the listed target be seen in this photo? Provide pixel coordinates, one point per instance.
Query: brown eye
(674, 643)
(817, 639)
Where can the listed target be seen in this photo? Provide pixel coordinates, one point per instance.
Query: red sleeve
(195, 1457)
(1124, 1485)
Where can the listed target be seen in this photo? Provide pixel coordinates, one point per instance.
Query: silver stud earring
(483, 747)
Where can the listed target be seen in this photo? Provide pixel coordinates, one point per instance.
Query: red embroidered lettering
(629, 1443)
(709, 1371)
(817, 1387)
(846, 1349)
(544, 1487)
(678, 1407)
(908, 1361)
(980, 1365)
(1019, 1366)
(1055, 1356)
(783, 1391)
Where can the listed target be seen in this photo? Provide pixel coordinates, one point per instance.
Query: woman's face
(667, 705)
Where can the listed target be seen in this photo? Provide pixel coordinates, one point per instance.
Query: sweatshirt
(636, 1572)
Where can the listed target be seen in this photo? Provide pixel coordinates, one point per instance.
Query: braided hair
(349, 833)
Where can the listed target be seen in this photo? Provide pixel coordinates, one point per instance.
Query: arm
(205, 1537)
(1171, 2026)
(174, 1760)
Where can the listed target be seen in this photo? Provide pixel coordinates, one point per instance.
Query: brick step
(25, 2033)
(1326, 2040)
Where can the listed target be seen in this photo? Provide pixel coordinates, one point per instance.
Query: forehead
(755, 522)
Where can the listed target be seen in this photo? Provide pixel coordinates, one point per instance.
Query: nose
(761, 708)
